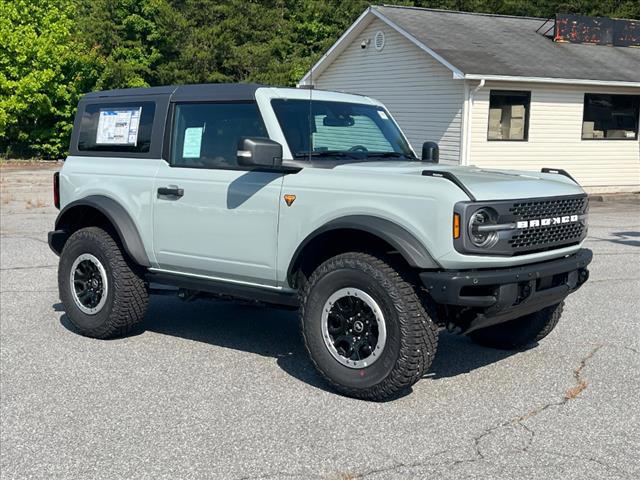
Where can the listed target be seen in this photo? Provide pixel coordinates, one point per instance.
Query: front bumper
(489, 297)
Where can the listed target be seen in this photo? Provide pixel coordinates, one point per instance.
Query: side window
(205, 135)
(508, 115)
(610, 117)
(117, 127)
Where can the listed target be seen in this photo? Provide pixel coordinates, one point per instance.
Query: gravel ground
(218, 390)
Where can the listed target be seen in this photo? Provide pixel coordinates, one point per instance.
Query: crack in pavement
(570, 394)
(519, 422)
(621, 279)
(588, 459)
(27, 268)
(267, 476)
(397, 465)
(581, 383)
(30, 291)
(516, 422)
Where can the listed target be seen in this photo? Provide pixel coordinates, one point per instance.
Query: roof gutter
(469, 115)
(569, 81)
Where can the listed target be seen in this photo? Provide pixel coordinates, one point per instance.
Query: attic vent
(378, 41)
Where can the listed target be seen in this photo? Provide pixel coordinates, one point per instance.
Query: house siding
(419, 92)
(555, 130)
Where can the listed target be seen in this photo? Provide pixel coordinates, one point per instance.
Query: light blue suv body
(187, 180)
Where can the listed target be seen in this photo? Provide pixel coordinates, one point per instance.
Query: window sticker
(192, 142)
(118, 127)
(383, 115)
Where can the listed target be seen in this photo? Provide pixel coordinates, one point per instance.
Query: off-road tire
(521, 332)
(127, 295)
(412, 336)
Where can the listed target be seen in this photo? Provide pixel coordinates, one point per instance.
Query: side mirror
(259, 152)
(430, 152)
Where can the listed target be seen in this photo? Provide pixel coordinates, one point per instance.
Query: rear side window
(117, 127)
(205, 135)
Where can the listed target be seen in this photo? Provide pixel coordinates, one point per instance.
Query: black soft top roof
(205, 91)
(161, 97)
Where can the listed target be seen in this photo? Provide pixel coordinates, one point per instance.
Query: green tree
(52, 51)
(134, 41)
(42, 73)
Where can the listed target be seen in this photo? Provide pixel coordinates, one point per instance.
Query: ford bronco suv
(312, 200)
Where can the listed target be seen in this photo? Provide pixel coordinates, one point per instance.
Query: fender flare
(411, 249)
(120, 219)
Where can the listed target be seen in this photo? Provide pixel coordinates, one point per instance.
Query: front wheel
(103, 292)
(365, 328)
(521, 332)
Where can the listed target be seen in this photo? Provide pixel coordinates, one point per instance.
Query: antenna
(310, 146)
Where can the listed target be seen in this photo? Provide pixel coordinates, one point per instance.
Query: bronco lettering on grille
(544, 222)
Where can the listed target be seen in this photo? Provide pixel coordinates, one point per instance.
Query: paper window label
(118, 126)
(383, 115)
(192, 142)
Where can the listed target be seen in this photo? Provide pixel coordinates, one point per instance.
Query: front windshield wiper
(391, 154)
(326, 153)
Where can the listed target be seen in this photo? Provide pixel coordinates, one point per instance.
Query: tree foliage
(53, 51)
(42, 73)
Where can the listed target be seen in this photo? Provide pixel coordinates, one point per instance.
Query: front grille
(549, 208)
(527, 225)
(528, 240)
(547, 236)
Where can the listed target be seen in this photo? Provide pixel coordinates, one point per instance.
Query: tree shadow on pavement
(626, 238)
(273, 332)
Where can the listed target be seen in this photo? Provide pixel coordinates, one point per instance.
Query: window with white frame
(610, 117)
(509, 115)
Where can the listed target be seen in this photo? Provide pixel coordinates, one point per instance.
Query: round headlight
(481, 237)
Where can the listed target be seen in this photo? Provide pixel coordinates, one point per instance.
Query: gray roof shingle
(486, 44)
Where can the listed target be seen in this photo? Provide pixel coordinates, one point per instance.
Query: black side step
(225, 288)
(452, 178)
(559, 171)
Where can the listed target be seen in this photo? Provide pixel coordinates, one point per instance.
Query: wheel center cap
(94, 283)
(358, 326)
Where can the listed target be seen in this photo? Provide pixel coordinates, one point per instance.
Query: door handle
(171, 191)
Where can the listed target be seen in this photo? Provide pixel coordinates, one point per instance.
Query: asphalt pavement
(219, 390)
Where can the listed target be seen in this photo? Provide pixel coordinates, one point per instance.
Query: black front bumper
(488, 297)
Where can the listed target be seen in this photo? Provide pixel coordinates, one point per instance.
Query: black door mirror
(259, 152)
(430, 152)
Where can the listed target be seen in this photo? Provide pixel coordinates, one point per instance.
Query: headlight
(480, 228)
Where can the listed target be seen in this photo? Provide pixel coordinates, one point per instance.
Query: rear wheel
(103, 292)
(365, 328)
(521, 332)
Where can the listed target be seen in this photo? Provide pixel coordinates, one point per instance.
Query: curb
(615, 197)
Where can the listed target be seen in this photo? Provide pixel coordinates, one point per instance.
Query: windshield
(338, 129)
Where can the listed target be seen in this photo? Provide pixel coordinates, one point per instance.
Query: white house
(501, 91)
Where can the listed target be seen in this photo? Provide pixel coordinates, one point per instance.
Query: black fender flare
(120, 219)
(411, 249)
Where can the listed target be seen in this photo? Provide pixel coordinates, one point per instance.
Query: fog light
(583, 276)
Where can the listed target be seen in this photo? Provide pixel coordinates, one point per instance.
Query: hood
(484, 184)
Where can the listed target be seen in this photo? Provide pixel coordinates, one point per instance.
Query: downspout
(467, 133)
